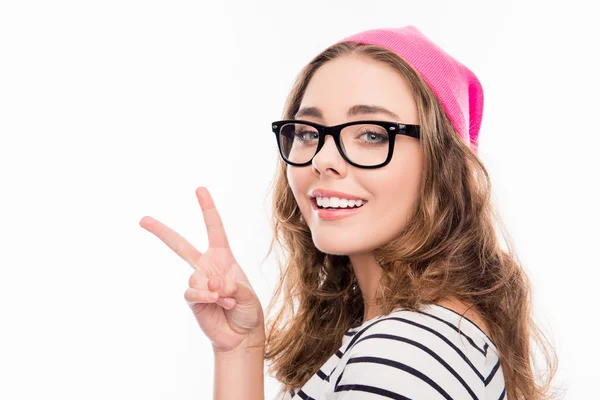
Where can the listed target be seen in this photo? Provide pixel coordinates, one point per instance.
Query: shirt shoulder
(431, 353)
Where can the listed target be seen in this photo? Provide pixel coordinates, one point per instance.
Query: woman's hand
(235, 312)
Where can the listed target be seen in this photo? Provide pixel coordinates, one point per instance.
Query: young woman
(394, 284)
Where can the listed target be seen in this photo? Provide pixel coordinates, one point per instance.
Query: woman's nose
(328, 157)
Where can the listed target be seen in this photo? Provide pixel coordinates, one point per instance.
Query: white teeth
(336, 202)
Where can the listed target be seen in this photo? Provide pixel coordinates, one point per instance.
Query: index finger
(214, 225)
(172, 239)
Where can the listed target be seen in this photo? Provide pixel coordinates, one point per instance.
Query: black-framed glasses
(363, 144)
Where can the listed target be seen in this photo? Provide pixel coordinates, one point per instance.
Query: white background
(113, 110)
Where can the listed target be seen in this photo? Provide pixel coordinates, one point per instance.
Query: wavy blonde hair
(448, 248)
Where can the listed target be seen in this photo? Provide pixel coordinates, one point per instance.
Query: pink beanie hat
(457, 88)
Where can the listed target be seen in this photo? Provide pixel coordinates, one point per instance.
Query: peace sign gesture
(219, 294)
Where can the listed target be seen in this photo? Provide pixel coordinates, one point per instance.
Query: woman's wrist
(254, 340)
(239, 372)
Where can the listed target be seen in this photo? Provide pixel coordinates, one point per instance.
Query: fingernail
(213, 296)
(229, 302)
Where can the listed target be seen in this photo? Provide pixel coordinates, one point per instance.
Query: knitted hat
(457, 88)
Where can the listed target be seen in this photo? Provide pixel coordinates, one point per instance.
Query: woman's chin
(338, 246)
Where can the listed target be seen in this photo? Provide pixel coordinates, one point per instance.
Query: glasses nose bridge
(334, 132)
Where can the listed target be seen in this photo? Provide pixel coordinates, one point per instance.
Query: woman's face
(389, 191)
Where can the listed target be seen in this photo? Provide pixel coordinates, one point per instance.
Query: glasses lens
(298, 142)
(364, 144)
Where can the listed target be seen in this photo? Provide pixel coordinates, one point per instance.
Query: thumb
(227, 286)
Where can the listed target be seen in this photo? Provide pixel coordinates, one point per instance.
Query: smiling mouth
(315, 206)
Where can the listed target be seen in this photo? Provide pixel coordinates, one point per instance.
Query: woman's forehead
(340, 87)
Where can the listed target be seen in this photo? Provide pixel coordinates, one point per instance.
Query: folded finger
(193, 295)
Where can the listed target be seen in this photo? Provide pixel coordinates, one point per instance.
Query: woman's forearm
(239, 374)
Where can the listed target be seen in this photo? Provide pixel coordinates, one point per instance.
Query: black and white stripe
(434, 353)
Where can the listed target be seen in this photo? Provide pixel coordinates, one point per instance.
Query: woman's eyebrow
(352, 111)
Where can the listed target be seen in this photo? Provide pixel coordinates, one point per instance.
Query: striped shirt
(434, 353)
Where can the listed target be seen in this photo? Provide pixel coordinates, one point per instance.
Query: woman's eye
(373, 137)
(307, 135)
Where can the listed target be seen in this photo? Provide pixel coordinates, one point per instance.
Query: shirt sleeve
(400, 361)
